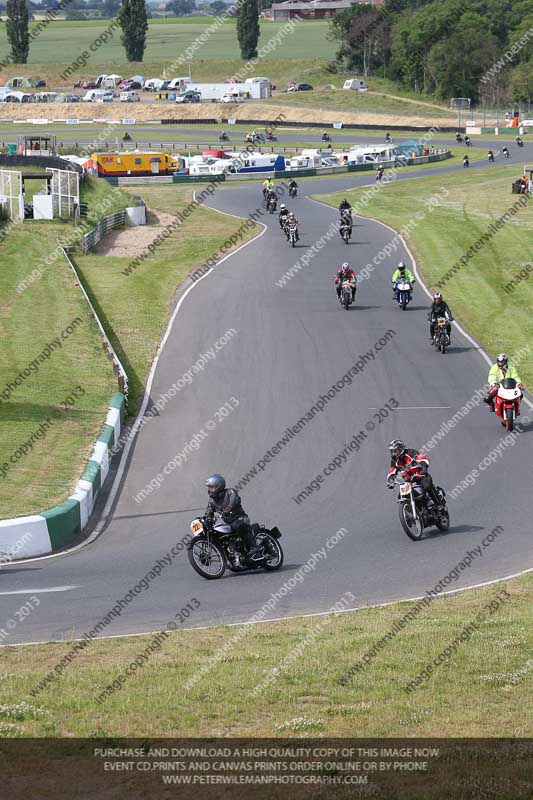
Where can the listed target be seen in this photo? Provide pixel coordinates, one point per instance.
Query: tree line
(481, 49)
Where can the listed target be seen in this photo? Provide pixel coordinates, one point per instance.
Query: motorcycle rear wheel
(207, 558)
(412, 527)
(443, 523)
(273, 551)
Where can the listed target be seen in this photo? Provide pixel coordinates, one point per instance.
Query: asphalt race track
(292, 344)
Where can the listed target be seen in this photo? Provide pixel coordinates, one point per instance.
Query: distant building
(307, 9)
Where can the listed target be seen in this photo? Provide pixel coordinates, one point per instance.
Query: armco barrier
(52, 530)
(106, 224)
(118, 369)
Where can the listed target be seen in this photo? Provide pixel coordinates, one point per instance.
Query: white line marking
(40, 591)
(294, 616)
(409, 408)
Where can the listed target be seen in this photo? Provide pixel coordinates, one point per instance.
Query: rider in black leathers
(227, 503)
(439, 308)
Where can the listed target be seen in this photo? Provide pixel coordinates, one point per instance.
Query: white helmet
(282, 206)
(345, 266)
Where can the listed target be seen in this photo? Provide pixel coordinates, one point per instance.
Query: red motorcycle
(507, 402)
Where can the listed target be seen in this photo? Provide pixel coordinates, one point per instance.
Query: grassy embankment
(135, 310)
(501, 320)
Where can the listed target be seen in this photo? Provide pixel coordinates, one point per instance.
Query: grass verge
(501, 320)
(479, 689)
(39, 466)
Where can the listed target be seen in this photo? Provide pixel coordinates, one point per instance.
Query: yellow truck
(116, 164)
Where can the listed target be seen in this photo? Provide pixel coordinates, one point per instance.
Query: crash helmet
(397, 448)
(502, 360)
(437, 297)
(216, 484)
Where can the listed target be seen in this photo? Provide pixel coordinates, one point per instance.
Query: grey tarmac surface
(292, 343)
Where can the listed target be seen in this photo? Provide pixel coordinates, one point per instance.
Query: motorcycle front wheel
(509, 419)
(273, 552)
(207, 558)
(412, 527)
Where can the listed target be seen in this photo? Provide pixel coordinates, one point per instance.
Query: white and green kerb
(39, 534)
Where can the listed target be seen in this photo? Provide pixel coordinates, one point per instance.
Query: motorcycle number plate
(405, 489)
(196, 526)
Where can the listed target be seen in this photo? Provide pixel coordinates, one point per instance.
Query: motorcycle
(466, 162)
(468, 142)
(520, 143)
(379, 175)
(271, 138)
(214, 547)
(345, 298)
(506, 153)
(507, 402)
(271, 205)
(291, 235)
(459, 139)
(388, 139)
(293, 191)
(326, 137)
(403, 293)
(491, 158)
(441, 340)
(223, 137)
(345, 232)
(413, 510)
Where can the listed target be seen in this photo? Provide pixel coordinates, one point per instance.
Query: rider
(345, 273)
(497, 373)
(505, 151)
(283, 215)
(490, 155)
(414, 466)
(268, 186)
(401, 273)
(227, 503)
(518, 140)
(467, 141)
(388, 138)
(439, 308)
(344, 206)
(291, 220)
(293, 184)
(379, 174)
(466, 161)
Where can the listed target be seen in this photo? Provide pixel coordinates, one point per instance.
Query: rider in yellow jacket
(497, 373)
(401, 273)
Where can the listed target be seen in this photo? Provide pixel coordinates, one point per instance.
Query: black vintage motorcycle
(214, 546)
(415, 513)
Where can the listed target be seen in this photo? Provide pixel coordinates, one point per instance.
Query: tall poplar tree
(248, 29)
(134, 23)
(18, 30)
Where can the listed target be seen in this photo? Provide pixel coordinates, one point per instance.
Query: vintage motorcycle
(441, 340)
(414, 512)
(214, 546)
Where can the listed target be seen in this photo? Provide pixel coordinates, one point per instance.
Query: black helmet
(397, 449)
(216, 484)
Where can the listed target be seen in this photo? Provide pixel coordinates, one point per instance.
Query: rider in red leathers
(345, 273)
(413, 466)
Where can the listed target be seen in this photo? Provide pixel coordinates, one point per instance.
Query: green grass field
(30, 320)
(166, 40)
(501, 321)
(481, 689)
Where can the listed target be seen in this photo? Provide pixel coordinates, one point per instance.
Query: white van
(179, 83)
(356, 84)
(232, 97)
(129, 97)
